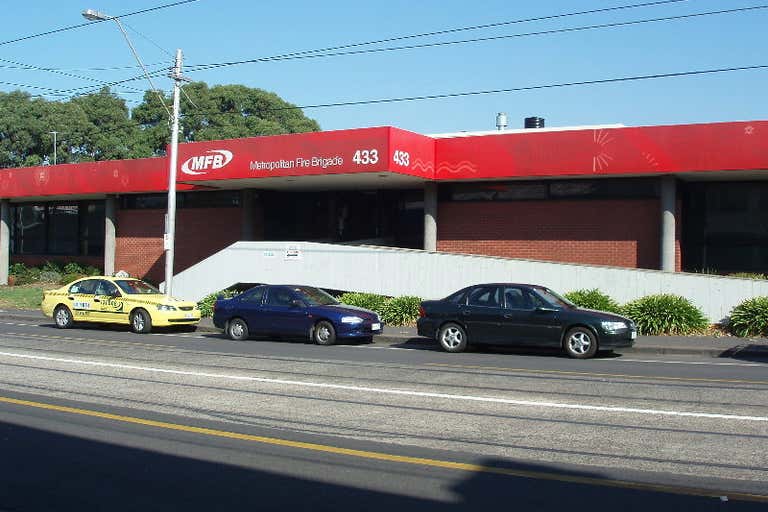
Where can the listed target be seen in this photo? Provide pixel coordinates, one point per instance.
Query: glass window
(485, 296)
(554, 299)
(254, 295)
(29, 229)
(63, 229)
(315, 296)
(106, 288)
(136, 287)
(87, 286)
(279, 297)
(459, 297)
(516, 298)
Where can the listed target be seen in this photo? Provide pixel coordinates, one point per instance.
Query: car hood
(604, 315)
(347, 309)
(155, 298)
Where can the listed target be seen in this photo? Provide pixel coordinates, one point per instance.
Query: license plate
(633, 335)
(375, 327)
(189, 315)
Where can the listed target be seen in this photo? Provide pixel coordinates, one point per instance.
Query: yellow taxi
(117, 300)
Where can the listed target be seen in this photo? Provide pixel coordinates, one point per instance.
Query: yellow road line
(387, 457)
(594, 374)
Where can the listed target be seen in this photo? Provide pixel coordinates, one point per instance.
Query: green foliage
(99, 126)
(665, 314)
(18, 269)
(401, 310)
(750, 318)
(68, 278)
(92, 271)
(21, 297)
(749, 275)
(73, 268)
(370, 301)
(593, 299)
(206, 303)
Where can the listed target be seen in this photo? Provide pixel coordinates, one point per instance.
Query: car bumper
(177, 318)
(363, 330)
(426, 327)
(618, 339)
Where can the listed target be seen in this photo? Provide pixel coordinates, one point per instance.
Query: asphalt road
(107, 420)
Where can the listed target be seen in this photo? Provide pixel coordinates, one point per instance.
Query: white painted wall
(431, 275)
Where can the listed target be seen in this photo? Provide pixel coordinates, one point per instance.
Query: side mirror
(115, 294)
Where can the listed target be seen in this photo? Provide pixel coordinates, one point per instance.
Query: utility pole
(169, 238)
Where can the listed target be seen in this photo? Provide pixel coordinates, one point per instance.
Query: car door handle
(465, 313)
(96, 300)
(508, 316)
(71, 298)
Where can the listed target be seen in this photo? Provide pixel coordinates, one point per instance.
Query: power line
(509, 90)
(85, 24)
(56, 72)
(443, 32)
(203, 67)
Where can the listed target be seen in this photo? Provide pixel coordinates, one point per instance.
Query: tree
(99, 126)
(221, 112)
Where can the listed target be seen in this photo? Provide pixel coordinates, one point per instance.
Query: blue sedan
(288, 310)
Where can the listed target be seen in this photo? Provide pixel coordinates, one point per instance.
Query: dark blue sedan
(295, 311)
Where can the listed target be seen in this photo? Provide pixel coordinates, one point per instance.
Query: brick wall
(622, 233)
(200, 232)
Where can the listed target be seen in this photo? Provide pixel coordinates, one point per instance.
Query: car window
(460, 297)
(88, 286)
(516, 298)
(553, 298)
(314, 296)
(279, 297)
(105, 288)
(485, 296)
(254, 295)
(136, 287)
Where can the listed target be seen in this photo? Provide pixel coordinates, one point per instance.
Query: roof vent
(501, 121)
(534, 122)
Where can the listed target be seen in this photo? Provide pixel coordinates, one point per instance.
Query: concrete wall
(433, 274)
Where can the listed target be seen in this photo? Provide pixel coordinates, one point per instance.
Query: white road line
(699, 363)
(400, 392)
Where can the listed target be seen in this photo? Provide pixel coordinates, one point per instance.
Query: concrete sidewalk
(723, 346)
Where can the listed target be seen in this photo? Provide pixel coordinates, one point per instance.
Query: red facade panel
(603, 152)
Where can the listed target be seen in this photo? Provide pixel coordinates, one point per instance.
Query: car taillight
(422, 313)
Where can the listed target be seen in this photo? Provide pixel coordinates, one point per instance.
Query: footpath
(711, 346)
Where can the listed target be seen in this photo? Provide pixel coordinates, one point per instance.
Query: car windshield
(315, 296)
(554, 299)
(136, 287)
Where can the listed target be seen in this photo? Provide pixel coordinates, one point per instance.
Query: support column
(430, 216)
(668, 207)
(5, 240)
(110, 235)
(247, 203)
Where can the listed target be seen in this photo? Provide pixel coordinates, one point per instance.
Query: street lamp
(170, 220)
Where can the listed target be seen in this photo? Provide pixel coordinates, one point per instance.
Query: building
(683, 197)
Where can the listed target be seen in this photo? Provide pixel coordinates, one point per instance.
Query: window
(88, 286)
(254, 295)
(279, 297)
(554, 189)
(459, 297)
(106, 288)
(516, 298)
(217, 199)
(485, 296)
(71, 229)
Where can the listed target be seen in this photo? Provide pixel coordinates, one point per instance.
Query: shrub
(665, 314)
(18, 269)
(50, 276)
(593, 299)
(749, 275)
(74, 268)
(92, 271)
(750, 318)
(370, 301)
(401, 310)
(49, 267)
(206, 303)
(68, 278)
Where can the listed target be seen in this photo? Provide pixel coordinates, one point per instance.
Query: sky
(216, 31)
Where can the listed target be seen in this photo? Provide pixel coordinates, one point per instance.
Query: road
(94, 419)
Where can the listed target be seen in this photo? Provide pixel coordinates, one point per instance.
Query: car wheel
(141, 323)
(452, 338)
(63, 317)
(324, 333)
(237, 329)
(580, 343)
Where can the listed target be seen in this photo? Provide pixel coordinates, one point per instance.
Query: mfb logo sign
(211, 160)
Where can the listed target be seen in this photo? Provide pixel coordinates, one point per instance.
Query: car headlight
(165, 307)
(351, 320)
(613, 326)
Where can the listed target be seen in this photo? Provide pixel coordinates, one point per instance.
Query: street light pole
(54, 145)
(170, 228)
(169, 237)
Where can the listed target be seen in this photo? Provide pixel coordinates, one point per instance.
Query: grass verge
(24, 296)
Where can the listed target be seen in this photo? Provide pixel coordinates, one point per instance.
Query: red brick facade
(200, 232)
(623, 233)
